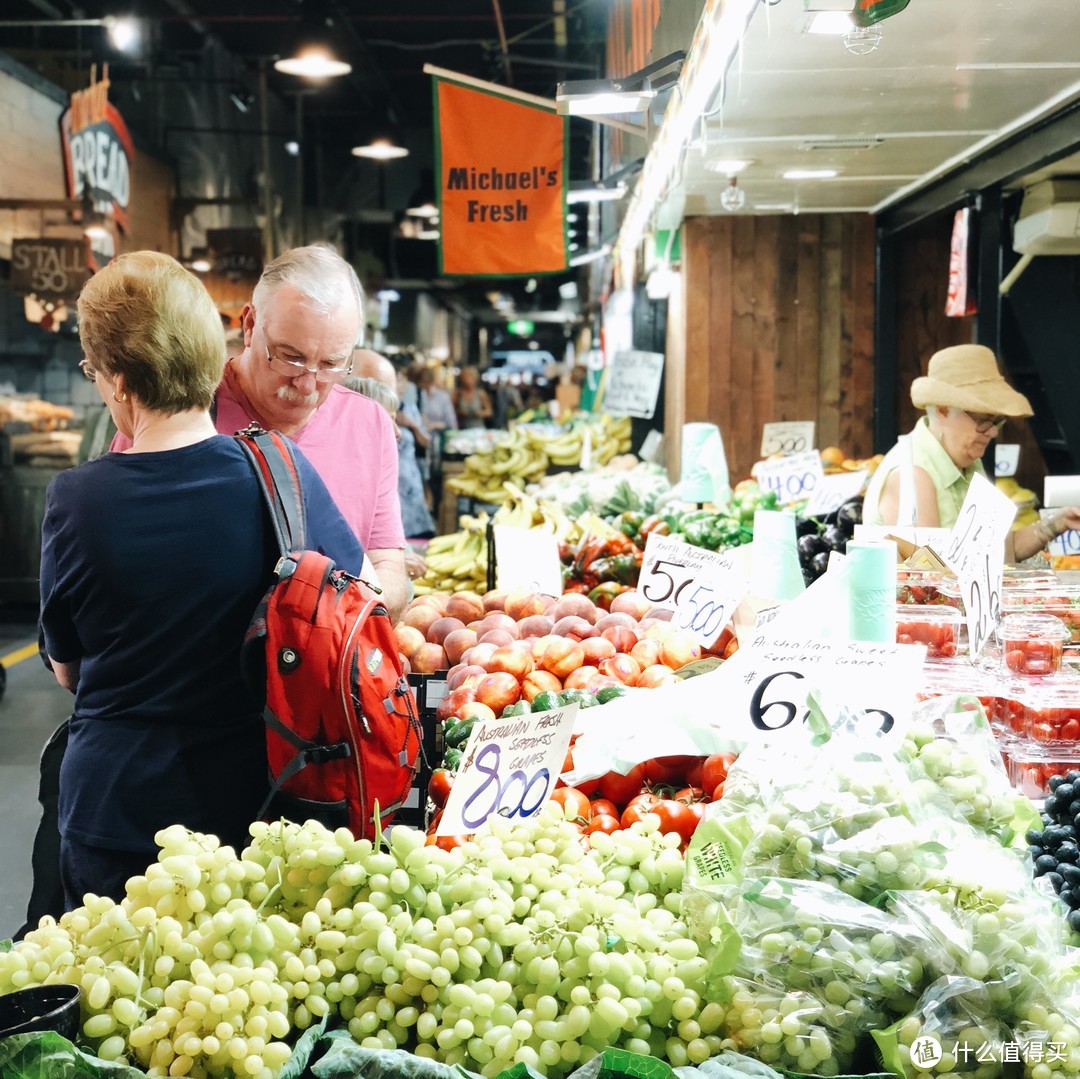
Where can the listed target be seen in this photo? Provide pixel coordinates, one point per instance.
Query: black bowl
(42, 1007)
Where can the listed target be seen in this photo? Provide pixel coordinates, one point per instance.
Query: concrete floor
(29, 711)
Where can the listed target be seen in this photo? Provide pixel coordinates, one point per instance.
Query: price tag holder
(670, 567)
(1006, 459)
(527, 559)
(510, 766)
(793, 478)
(707, 607)
(1068, 543)
(791, 437)
(833, 491)
(975, 552)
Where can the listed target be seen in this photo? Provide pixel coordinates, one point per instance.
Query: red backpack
(342, 728)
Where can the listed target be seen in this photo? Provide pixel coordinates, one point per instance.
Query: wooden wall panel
(779, 326)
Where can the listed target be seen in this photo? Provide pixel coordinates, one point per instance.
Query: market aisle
(29, 711)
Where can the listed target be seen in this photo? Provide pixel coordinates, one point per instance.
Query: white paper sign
(792, 478)
(794, 437)
(975, 552)
(633, 382)
(527, 559)
(670, 566)
(1068, 543)
(1061, 491)
(509, 766)
(1006, 459)
(707, 607)
(833, 491)
(763, 689)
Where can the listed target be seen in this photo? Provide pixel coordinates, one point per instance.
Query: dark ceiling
(529, 45)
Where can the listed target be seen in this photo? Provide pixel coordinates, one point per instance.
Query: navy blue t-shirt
(152, 565)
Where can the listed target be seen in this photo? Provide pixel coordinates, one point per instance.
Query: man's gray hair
(317, 272)
(378, 391)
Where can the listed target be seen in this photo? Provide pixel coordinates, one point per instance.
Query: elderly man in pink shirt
(300, 328)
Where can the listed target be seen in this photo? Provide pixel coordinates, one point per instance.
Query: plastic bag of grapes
(952, 1030)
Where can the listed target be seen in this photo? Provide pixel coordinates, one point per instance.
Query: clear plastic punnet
(1032, 644)
(1060, 600)
(936, 626)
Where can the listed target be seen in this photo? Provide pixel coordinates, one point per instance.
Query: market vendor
(924, 478)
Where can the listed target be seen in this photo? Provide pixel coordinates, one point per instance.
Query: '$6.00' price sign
(770, 710)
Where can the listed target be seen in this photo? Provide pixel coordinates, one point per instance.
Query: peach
(454, 701)
(421, 616)
(457, 642)
(479, 654)
(646, 652)
(574, 603)
(631, 602)
(520, 604)
(660, 614)
(497, 620)
(679, 648)
(494, 600)
(497, 637)
(541, 643)
(513, 660)
(406, 666)
(476, 710)
(441, 628)
(562, 656)
(574, 626)
(622, 638)
(654, 629)
(409, 638)
(622, 667)
(596, 649)
(620, 618)
(497, 690)
(464, 674)
(429, 658)
(601, 681)
(657, 675)
(438, 600)
(536, 625)
(539, 682)
(580, 678)
(467, 606)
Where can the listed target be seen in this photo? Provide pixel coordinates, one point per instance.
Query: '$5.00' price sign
(510, 767)
(707, 607)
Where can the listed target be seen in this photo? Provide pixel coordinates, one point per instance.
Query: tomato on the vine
(603, 822)
(439, 786)
(715, 769)
(446, 842)
(621, 788)
(602, 806)
(669, 771)
(718, 792)
(575, 805)
(690, 795)
(638, 807)
(676, 817)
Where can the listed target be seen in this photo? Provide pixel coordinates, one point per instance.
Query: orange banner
(502, 184)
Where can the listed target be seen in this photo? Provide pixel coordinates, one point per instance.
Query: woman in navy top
(153, 562)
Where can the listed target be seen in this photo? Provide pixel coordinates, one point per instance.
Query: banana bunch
(1020, 495)
(512, 458)
(457, 562)
(610, 436)
(522, 510)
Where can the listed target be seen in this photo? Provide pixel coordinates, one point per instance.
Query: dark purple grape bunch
(1054, 849)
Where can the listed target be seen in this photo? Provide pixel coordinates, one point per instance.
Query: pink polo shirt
(350, 441)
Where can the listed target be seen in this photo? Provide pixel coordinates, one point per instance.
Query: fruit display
(516, 947)
(834, 460)
(817, 538)
(1032, 644)
(457, 561)
(938, 628)
(624, 484)
(525, 453)
(1025, 500)
(1063, 602)
(1054, 848)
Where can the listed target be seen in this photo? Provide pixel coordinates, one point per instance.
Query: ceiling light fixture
(292, 148)
(382, 148)
(123, 31)
(811, 174)
(201, 265)
(733, 198)
(629, 93)
(314, 56)
(426, 210)
(727, 166)
(862, 40)
(587, 192)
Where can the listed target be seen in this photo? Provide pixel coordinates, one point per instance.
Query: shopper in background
(153, 562)
(507, 403)
(925, 477)
(299, 331)
(471, 401)
(414, 511)
(435, 404)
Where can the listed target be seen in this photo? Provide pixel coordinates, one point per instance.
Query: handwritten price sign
(669, 567)
(833, 491)
(793, 437)
(509, 767)
(1068, 543)
(975, 552)
(1006, 459)
(707, 608)
(793, 478)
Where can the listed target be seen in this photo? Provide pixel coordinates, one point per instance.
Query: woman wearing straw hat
(924, 478)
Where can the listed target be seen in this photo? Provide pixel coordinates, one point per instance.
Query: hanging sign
(98, 151)
(633, 383)
(48, 269)
(501, 183)
(793, 437)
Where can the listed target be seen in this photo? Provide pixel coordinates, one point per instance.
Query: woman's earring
(121, 397)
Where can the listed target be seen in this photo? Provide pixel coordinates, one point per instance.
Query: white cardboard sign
(527, 559)
(1068, 543)
(793, 478)
(633, 382)
(671, 566)
(794, 436)
(1006, 459)
(706, 608)
(510, 766)
(833, 491)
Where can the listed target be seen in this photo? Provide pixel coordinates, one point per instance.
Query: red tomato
(439, 786)
(715, 769)
(446, 842)
(668, 771)
(604, 806)
(603, 822)
(693, 773)
(638, 807)
(676, 817)
(690, 795)
(575, 805)
(621, 788)
(718, 792)
(698, 809)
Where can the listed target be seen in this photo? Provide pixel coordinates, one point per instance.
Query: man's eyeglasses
(984, 423)
(88, 372)
(325, 372)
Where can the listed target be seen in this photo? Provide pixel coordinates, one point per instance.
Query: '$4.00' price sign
(792, 478)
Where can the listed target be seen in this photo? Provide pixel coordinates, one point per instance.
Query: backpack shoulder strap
(272, 461)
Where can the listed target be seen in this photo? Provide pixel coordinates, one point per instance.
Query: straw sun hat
(967, 377)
